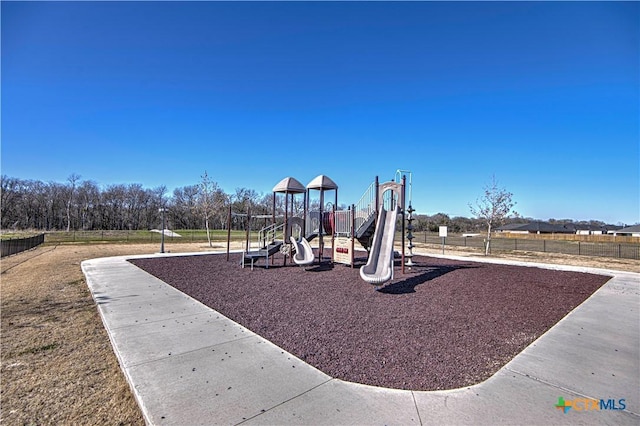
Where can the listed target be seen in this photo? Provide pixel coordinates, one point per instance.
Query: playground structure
(371, 222)
(379, 267)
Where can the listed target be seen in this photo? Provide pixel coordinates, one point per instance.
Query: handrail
(363, 210)
(269, 233)
(343, 219)
(366, 206)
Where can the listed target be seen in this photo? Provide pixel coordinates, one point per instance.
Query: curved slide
(304, 252)
(379, 267)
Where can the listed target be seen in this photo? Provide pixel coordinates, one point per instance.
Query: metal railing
(270, 233)
(343, 223)
(366, 206)
(16, 245)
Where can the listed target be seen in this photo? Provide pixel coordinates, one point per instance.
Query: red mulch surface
(444, 324)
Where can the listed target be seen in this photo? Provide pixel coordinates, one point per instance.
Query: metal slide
(379, 267)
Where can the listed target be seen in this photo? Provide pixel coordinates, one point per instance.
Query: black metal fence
(581, 248)
(16, 245)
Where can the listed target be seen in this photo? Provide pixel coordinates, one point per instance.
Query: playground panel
(343, 250)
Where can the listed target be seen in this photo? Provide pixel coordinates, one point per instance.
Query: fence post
(579, 251)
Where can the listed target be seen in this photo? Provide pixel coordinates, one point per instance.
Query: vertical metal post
(333, 234)
(285, 240)
(402, 200)
(162, 231)
(376, 209)
(333, 231)
(303, 231)
(228, 232)
(321, 229)
(247, 227)
(353, 233)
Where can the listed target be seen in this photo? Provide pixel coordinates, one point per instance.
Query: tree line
(84, 205)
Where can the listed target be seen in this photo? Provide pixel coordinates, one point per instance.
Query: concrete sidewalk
(190, 365)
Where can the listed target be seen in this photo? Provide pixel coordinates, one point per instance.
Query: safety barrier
(343, 223)
(580, 248)
(366, 206)
(16, 245)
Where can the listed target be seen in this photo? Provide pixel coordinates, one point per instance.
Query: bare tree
(184, 202)
(493, 207)
(72, 190)
(206, 201)
(10, 197)
(88, 201)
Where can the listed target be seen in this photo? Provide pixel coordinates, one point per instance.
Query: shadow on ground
(408, 285)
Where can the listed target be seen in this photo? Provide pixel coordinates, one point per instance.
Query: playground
(36, 394)
(434, 324)
(370, 223)
(443, 325)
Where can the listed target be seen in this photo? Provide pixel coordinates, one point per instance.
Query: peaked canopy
(322, 182)
(289, 185)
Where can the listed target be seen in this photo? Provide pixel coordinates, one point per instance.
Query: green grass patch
(45, 348)
(13, 235)
(140, 236)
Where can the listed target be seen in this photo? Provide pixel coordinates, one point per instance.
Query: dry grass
(58, 366)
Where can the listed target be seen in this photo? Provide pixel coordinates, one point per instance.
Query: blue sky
(543, 95)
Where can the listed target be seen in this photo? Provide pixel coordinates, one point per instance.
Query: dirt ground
(57, 364)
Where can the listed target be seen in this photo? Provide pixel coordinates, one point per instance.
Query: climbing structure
(321, 223)
(275, 237)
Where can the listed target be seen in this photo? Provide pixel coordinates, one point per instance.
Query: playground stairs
(263, 253)
(269, 244)
(365, 211)
(364, 233)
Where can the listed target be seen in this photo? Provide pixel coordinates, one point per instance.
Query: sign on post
(443, 235)
(342, 251)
